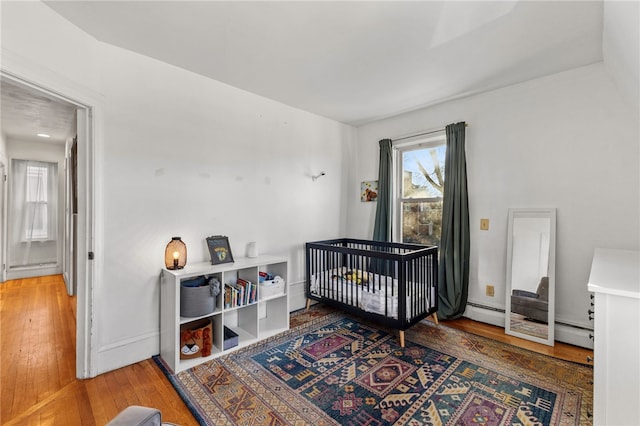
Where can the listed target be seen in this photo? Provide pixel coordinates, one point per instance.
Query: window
(36, 203)
(419, 187)
(33, 203)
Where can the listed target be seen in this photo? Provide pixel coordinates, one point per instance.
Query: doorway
(36, 128)
(74, 223)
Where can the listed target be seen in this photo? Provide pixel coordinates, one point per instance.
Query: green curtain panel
(382, 224)
(453, 271)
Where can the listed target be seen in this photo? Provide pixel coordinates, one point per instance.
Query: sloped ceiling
(353, 61)
(621, 48)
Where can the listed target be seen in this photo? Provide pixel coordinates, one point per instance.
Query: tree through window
(420, 187)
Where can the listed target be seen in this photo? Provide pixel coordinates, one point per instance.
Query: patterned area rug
(335, 369)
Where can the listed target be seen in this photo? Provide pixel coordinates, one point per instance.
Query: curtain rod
(430, 132)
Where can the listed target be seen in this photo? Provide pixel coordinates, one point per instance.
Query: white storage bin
(270, 288)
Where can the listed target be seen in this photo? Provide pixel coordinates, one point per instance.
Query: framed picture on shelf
(219, 249)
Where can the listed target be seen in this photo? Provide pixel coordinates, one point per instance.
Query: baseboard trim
(485, 314)
(572, 335)
(16, 273)
(297, 296)
(564, 332)
(128, 351)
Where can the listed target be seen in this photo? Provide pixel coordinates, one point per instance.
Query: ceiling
(25, 112)
(353, 61)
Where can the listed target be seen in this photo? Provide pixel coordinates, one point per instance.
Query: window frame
(426, 141)
(43, 174)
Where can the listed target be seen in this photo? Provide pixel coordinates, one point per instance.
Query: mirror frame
(533, 213)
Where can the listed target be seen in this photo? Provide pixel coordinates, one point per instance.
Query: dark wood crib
(395, 284)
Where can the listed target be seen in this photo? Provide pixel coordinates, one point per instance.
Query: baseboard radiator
(564, 332)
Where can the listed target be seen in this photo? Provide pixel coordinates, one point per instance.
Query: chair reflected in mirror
(530, 311)
(533, 306)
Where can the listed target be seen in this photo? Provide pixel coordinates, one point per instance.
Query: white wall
(621, 47)
(179, 154)
(566, 141)
(187, 156)
(43, 40)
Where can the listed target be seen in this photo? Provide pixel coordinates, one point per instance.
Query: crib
(394, 284)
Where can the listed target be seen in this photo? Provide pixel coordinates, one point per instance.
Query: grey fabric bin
(230, 339)
(196, 301)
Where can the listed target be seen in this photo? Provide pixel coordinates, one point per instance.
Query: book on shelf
(231, 296)
(242, 292)
(248, 291)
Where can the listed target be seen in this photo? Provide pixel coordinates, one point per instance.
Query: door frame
(89, 105)
(3, 220)
(69, 250)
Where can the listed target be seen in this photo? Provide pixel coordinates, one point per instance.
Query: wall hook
(318, 176)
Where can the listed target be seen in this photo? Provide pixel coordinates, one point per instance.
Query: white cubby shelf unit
(252, 322)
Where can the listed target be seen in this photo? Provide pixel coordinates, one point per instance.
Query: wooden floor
(37, 359)
(560, 350)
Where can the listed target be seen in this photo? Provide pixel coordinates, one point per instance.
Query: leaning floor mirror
(530, 299)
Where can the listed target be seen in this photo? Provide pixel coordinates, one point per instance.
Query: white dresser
(615, 280)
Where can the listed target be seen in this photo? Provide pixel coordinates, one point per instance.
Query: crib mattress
(379, 295)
